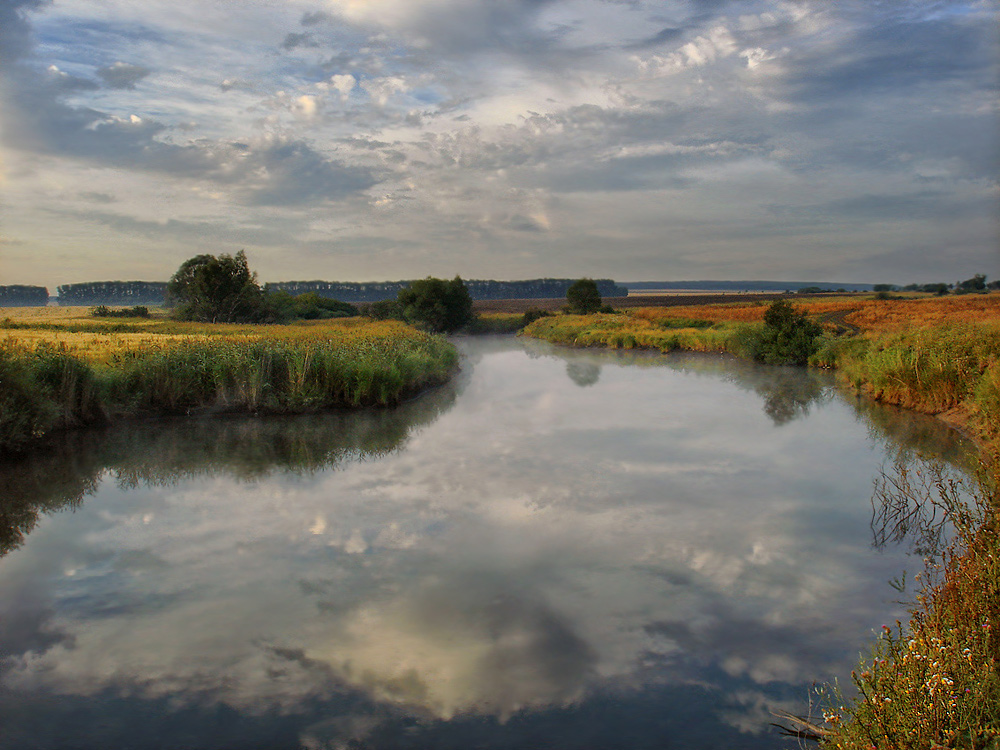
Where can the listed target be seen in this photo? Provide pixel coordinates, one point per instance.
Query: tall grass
(623, 331)
(45, 388)
(934, 682)
(949, 368)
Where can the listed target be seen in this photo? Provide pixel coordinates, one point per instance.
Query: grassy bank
(934, 681)
(54, 379)
(938, 356)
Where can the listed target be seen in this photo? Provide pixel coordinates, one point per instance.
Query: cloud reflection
(533, 549)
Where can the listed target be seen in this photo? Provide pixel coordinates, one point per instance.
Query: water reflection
(515, 562)
(73, 465)
(583, 373)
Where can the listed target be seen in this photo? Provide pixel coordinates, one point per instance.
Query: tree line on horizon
(131, 293)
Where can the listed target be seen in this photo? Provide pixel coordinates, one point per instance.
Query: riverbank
(64, 372)
(937, 356)
(933, 681)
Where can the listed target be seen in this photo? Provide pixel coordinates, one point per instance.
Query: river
(560, 549)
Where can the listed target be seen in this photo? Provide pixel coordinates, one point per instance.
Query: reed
(946, 368)
(47, 387)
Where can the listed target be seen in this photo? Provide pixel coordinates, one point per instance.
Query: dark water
(562, 549)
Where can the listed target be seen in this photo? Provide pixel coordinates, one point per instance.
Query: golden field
(866, 314)
(98, 340)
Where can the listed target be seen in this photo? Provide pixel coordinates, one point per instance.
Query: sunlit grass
(628, 331)
(56, 377)
(869, 315)
(934, 682)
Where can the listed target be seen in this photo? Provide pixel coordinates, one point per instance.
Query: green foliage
(976, 284)
(885, 288)
(102, 311)
(931, 369)
(788, 337)
(283, 307)
(623, 331)
(532, 314)
(437, 305)
(583, 297)
(387, 309)
(940, 289)
(20, 295)
(811, 290)
(676, 323)
(42, 390)
(217, 290)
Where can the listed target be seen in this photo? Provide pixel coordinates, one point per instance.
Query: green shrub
(583, 297)
(387, 309)
(787, 337)
(103, 311)
(437, 305)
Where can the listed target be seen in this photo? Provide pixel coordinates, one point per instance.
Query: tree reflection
(583, 373)
(72, 465)
(788, 395)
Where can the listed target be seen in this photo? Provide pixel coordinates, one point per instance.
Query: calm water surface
(561, 549)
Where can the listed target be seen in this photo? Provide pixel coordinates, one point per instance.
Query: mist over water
(560, 549)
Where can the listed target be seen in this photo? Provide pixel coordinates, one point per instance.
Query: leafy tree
(386, 309)
(940, 289)
(217, 289)
(885, 288)
(976, 284)
(584, 297)
(20, 295)
(788, 336)
(437, 305)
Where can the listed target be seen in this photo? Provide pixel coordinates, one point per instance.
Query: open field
(619, 303)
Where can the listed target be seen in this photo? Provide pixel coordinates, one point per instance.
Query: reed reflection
(61, 474)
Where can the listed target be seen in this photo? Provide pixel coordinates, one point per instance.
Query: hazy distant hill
(749, 286)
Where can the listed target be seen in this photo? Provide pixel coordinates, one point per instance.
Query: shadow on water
(163, 452)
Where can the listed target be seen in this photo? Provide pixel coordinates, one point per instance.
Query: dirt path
(838, 319)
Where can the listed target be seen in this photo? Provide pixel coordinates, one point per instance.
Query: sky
(362, 140)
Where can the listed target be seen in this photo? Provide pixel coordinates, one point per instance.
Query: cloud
(717, 44)
(603, 107)
(15, 31)
(294, 40)
(663, 36)
(122, 75)
(63, 83)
